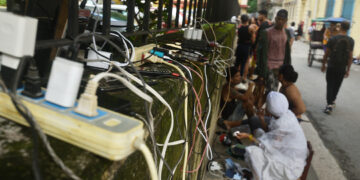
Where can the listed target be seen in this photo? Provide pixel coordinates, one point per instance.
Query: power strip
(140, 51)
(110, 134)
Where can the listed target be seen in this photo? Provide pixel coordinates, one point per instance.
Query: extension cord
(110, 134)
(141, 51)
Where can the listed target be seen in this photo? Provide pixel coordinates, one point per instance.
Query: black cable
(35, 137)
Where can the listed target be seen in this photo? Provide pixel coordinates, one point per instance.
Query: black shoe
(328, 109)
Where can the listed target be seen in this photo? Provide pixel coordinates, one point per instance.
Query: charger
(64, 82)
(17, 34)
(92, 55)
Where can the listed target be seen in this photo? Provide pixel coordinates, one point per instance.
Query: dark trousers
(334, 78)
(242, 55)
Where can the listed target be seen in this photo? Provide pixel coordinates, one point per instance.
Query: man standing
(264, 23)
(273, 51)
(263, 20)
(246, 38)
(340, 53)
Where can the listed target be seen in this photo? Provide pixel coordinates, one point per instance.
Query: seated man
(234, 103)
(281, 152)
(288, 77)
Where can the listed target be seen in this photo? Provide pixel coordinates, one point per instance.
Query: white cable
(95, 25)
(133, 88)
(125, 45)
(131, 45)
(157, 60)
(173, 143)
(140, 145)
(162, 100)
(209, 150)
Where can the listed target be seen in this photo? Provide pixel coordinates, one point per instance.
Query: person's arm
(252, 31)
(324, 61)
(249, 136)
(350, 61)
(236, 95)
(292, 36)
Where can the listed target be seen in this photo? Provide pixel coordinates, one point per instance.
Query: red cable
(197, 125)
(202, 81)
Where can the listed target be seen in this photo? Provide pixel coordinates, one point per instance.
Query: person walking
(273, 50)
(338, 59)
(300, 30)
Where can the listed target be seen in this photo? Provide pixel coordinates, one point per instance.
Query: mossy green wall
(16, 147)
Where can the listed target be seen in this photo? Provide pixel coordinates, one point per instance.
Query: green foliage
(153, 15)
(252, 6)
(2, 2)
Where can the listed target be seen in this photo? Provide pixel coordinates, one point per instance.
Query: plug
(32, 82)
(87, 104)
(153, 59)
(213, 44)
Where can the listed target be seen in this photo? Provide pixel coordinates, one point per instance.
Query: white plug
(87, 104)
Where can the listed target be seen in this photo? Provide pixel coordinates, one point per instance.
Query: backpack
(341, 52)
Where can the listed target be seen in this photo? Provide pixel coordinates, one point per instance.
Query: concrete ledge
(323, 162)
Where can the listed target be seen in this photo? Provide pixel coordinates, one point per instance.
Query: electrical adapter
(64, 82)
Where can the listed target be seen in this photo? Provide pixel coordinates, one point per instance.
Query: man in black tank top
(246, 37)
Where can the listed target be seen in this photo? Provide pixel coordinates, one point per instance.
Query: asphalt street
(340, 130)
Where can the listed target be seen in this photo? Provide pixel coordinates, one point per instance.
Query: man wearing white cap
(281, 152)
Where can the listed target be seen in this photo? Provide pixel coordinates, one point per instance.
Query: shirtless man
(288, 77)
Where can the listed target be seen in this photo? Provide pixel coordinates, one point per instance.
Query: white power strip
(110, 135)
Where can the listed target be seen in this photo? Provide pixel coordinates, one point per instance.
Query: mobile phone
(236, 133)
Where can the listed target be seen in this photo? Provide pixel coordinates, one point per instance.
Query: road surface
(340, 131)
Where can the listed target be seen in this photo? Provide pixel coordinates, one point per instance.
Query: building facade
(243, 6)
(306, 10)
(272, 6)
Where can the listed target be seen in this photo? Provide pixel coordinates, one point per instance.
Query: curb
(323, 163)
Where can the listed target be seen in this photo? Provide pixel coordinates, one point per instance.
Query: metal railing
(192, 9)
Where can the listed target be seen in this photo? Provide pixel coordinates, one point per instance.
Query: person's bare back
(296, 104)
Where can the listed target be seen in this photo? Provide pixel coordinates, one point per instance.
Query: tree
(252, 6)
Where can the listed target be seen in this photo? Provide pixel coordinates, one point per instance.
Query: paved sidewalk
(323, 163)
